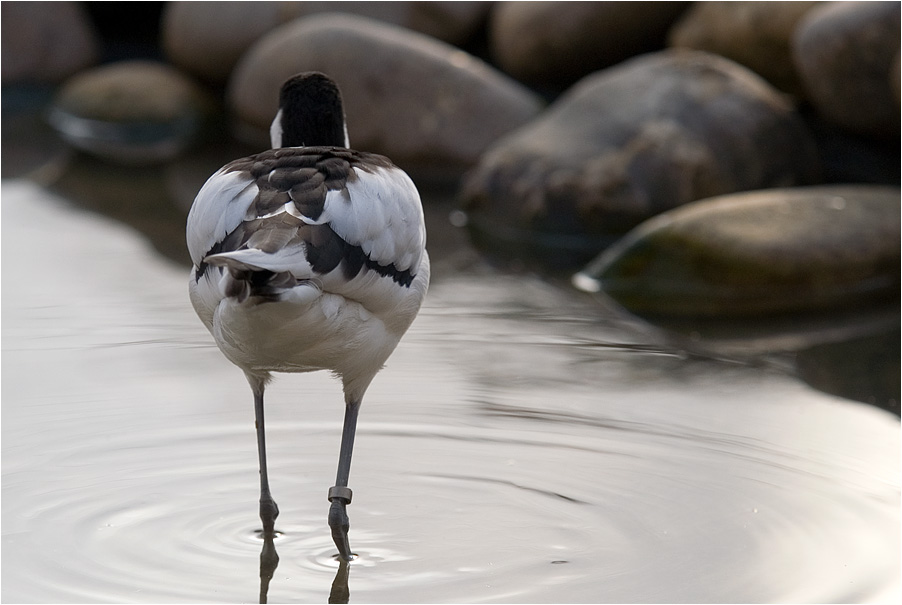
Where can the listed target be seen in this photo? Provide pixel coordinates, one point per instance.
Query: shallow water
(521, 446)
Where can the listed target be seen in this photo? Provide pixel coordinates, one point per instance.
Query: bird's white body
(308, 256)
(325, 320)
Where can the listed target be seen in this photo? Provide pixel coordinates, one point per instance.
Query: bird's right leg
(340, 494)
(268, 509)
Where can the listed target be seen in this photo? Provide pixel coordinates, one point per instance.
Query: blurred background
(652, 224)
(547, 131)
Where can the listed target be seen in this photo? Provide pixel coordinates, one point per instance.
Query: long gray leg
(340, 494)
(268, 509)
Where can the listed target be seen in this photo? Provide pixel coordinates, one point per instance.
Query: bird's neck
(309, 129)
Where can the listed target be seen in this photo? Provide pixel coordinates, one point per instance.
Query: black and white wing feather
(313, 217)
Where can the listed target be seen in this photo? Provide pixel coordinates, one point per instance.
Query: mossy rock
(131, 112)
(760, 252)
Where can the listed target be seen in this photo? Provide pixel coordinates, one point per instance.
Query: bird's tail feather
(248, 274)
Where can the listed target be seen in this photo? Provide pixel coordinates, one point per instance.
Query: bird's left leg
(340, 494)
(268, 509)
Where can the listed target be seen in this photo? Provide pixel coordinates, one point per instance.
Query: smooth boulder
(550, 45)
(46, 41)
(423, 103)
(845, 53)
(634, 140)
(758, 252)
(207, 39)
(755, 34)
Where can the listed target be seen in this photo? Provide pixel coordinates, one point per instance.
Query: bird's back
(307, 257)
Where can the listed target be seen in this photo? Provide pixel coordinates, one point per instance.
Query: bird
(308, 256)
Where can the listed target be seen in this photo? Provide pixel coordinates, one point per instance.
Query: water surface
(521, 446)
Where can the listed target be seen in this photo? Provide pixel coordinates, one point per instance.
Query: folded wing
(323, 217)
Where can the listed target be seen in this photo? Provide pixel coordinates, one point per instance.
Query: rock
(844, 52)
(632, 141)
(758, 252)
(46, 42)
(452, 22)
(551, 45)
(421, 102)
(754, 34)
(130, 112)
(207, 39)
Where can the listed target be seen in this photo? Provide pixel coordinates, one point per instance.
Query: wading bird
(308, 256)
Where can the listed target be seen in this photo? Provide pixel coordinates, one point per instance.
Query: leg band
(340, 493)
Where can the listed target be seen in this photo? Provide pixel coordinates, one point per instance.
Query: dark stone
(46, 41)
(754, 34)
(551, 45)
(759, 252)
(131, 111)
(845, 53)
(635, 140)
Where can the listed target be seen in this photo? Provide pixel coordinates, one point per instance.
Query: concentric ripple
(478, 513)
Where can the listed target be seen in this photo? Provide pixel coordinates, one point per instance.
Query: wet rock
(632, 141)
(423, 103)
(754, 34)
(130, 112)
(758, 252)
(46, 41)
(207, 39)
(844, 52)
(550, 45)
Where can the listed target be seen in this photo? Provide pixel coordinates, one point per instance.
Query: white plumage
(309, 257)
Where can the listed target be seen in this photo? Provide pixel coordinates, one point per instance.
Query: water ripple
(511, 451)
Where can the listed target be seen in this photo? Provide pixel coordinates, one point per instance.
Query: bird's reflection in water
(340, 592)
(269, 561)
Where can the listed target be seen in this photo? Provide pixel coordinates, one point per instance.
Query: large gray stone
(635, 140)
(845, 53)
(754, 34)
(758, 252)
(421, 102)
(550, 45)
(208, 38)
(46, 41)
